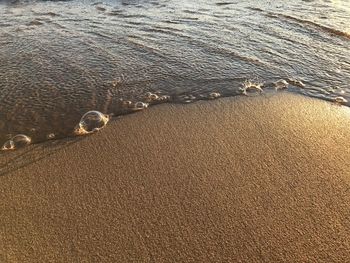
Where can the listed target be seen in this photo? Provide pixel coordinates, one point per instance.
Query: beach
(242, 179)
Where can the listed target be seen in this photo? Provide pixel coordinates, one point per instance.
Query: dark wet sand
(232, 180)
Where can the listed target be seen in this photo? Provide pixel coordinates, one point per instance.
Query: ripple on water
(59, 59)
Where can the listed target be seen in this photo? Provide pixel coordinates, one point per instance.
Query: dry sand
(262, 179)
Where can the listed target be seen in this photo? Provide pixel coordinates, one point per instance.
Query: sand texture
(260, 179)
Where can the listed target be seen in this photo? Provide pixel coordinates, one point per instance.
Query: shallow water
(60, 59)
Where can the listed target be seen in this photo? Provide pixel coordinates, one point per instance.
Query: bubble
(50, 136)
(186, 98)
(151, 97)
(127, 103)
(16, 142)
(251, 86)
(8, 145)
(340, 100)
(281, 84)
(154, 97)
(91, 122)
(296, 82)
(164, 98)
(214, 95)
(140, 105)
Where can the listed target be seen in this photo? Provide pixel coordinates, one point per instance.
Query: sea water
(60, 60)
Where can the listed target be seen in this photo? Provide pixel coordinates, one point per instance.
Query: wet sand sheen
(263, 179)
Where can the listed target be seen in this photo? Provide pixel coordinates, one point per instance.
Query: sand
(259, 179)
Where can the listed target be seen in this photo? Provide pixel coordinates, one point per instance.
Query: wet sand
(231, 180)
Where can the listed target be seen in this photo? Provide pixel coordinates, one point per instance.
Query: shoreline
(258, 179)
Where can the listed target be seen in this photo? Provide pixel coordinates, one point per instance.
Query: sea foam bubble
(340, 100)
(151, 97)
(91, 122)
(140, 106)
(249, 86)
(281, 84)
(16, 142)
(214, 95)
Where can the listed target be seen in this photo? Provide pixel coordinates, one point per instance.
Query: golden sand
(262, 179)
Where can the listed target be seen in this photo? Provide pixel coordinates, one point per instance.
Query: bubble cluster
(16, 142)
(155, 98)
(91, 122)
(151, 97)
(164, 98)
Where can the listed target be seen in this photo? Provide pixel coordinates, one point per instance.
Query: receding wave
(66, 67)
